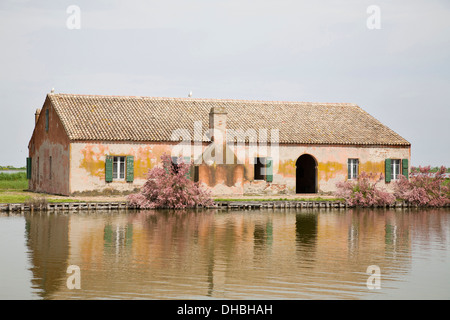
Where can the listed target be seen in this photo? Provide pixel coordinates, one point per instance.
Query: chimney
(218, 124)
(36, 116)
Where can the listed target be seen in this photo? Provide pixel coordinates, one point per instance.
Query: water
(273, 254)
(11, 171)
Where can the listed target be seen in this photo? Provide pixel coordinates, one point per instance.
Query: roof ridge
(205, 99)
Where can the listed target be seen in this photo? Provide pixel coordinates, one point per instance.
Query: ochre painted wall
(87, 171)
(332, 163)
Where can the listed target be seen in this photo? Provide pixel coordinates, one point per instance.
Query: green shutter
(130, 168)
(388, 170)
(109, 169)
(187, 160)
(405, 168)
(269, 169)
(28, 168)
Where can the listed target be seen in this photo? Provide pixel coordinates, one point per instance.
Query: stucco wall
(332, 163)
(331, 166)
(87, 172)
(44, 144)
(87, 168)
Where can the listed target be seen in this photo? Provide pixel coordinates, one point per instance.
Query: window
(353, 167)
(186, 160)
(395, 168)
(175, 164)
(118, 168)
(263, 169)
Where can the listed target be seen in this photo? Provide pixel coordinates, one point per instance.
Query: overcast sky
(321, 51)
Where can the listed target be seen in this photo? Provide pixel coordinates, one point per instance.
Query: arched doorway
(306, 174)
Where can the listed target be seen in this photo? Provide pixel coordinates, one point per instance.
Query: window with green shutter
(259, 172)
(395, 169)
(187, 160)
(109, 169)
(29, 168)
(405, 168)
(130, 168)
(387, 170)
(263, 169)
(269, 169)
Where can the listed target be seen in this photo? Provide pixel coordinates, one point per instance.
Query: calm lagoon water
(261, 254)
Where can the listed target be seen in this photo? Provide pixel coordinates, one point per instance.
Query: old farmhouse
(90, 143)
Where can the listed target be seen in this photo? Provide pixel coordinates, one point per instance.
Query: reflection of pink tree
(170, 187)
(363, 192)
(424, 188)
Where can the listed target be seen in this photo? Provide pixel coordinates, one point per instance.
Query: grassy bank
(277, 199)
(18, 196)
(13, 181)
(13, 188)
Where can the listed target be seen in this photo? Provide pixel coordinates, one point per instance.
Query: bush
(363, 192)
(169, 187)
(424, 187)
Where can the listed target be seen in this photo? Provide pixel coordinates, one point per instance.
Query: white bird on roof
(190, 94)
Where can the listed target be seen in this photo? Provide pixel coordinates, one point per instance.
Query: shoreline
(68, 207)
(27, 201)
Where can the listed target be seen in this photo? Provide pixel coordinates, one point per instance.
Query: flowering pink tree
(363, 192)
(170, 187)
(424, 188)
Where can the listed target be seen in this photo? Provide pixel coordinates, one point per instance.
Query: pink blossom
(364, 192)
(424, 188)
(170, 187)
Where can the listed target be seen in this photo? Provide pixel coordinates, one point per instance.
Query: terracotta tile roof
(125, 118)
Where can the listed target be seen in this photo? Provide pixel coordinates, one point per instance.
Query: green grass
(18, 197)
(280, 199)
(14, 198)
(13, 181)
(13, 184)
(13, 176)
(62, 200)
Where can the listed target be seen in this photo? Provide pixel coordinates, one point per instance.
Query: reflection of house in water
(168, 255)
(48, 244)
